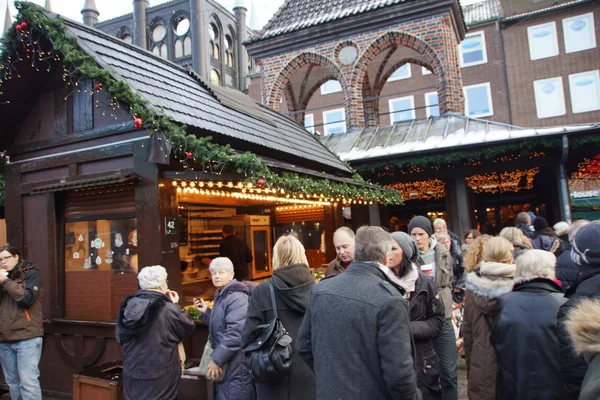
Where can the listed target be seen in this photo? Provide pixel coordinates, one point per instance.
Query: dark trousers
(445, 347)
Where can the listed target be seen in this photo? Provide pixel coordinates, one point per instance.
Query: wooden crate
(103, 382)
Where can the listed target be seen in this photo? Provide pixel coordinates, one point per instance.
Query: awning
(86, 182)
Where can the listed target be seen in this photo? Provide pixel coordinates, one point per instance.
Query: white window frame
(309, 127)
(460, 50)
(489, 96)
(554, 52)
(540, 109)
(324, 89)
(425, 71)
(393, 114)
(568, 44)
(327, 125)
(572, 77)
(407, 76)
(428, 104)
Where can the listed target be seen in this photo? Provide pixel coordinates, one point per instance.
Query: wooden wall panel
(88, 295)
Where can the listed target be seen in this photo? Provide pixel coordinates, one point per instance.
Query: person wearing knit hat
(426, 311)
(435, 261)
(543, 237)
(586, 257)
(152, 319)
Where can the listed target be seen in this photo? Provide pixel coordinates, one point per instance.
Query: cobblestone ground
(462, 379)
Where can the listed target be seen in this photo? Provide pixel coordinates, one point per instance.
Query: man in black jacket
(237, 251)
(586, 256)
(356, 332)
(566, 270)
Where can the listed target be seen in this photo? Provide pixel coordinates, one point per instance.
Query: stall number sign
(170, 226)
(584, 194)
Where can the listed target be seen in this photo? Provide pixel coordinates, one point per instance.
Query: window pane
(164, 53)
(431, 101)
(549, 97)
(579, 33)
(335, 122)
(402, 109)
(542, 41)
(187, 46)
(101, 264)
(309, 122)
(585, 91)
(159, 32)
(478, 101)
(178, 49)
(401, 73)
(472, 50)
(331, 86)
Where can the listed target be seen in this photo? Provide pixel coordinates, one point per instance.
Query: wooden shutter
(104, 201)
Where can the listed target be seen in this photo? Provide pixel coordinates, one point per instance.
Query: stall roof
(189, 100)
(448, 132)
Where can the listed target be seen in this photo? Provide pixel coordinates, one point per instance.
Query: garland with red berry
(209, 156)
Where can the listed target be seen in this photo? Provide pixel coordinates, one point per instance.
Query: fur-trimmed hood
(490, 288)
(231, 287)
(583, 325)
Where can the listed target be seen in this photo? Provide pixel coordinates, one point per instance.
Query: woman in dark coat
(524, 335)
(483, 287)
(225, 322)
(150, 325)
(583, 325)
(292, 283)
(426, 312)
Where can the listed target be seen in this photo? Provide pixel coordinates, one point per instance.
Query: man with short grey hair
(566, 270)
(356, 332)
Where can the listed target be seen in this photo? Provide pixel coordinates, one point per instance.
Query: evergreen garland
(208, 154)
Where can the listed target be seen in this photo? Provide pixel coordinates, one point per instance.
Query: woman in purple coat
(225, 322)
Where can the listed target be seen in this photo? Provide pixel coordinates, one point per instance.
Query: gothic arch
(281, 85)
(371, 90)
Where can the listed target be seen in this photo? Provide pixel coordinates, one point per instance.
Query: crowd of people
(379, 326)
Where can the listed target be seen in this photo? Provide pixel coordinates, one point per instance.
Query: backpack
(269, 355)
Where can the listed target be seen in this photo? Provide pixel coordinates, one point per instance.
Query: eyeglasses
(6, 258)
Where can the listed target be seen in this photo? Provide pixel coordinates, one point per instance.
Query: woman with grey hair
(524, 335)
(150, 325)
(225, 322)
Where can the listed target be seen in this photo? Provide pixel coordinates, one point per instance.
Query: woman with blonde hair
(474, 254)
(292, 283)
(518, 239)
(483, 287)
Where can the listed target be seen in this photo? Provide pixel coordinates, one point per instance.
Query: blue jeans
(20, 364)
(445, 347)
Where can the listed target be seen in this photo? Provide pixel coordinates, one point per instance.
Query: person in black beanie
(435, 261)
(586, 256)
(543, 237)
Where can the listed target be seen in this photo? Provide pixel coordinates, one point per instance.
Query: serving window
(100, 252)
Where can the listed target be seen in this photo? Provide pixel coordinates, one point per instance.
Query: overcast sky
(113, 8)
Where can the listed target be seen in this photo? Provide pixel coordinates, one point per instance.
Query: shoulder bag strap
(273, 303)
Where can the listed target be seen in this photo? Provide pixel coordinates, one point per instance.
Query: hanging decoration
(421, 190)
(207, 156)
(587, 176)
(501, 182)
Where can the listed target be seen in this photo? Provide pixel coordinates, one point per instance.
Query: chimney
(239, 9)
(48, 5)
(90, 12)
(199, 37)
(7, 19)
(140, 37)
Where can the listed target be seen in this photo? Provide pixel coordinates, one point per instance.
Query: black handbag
(269, 355)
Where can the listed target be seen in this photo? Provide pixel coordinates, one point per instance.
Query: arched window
(125, 35)
(182, 43)
(215, 77)
(229, 51)
(213, 32)
(178, 48)
(187, 46)
(158, 37)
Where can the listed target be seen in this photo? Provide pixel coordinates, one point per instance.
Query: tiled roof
(448, 132)
(483, 11)
(546, 9)
(297, 14)
(190, 101)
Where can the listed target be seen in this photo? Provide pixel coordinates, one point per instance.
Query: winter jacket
(480, 308)
(356, 337)
(583, 324)
(238, 252)
(443, 276)
(573, 367)
(456, 255)
(292, 285)
(566, 270)
(225, 323)
(21, 304)
(149, 327)
(525, 339)
(525, 229)
(335, 267)
(426, 320)
(546, 240)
